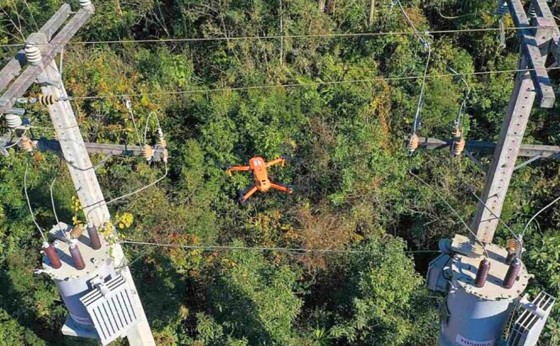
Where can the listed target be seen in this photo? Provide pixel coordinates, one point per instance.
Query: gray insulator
(85, 3)
(502, 8)
(13, 121)
(33, 54)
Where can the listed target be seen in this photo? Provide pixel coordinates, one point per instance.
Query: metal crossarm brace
(100, 148)
(526, 150)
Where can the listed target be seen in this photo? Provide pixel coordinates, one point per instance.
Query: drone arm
(248, 194)
(281, 187)
(281, 161)
(237, 168)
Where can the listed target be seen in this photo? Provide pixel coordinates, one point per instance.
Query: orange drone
(262, 183)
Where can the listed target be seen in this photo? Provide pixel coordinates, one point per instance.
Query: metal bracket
(476, 162)
(523, 164)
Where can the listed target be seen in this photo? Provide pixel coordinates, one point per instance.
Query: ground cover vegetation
(347, 164)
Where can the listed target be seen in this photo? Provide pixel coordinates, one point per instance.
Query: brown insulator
(26, 144)
(513, 244)
(76, 231)
(413, 143)
(46, 100)
(95, 242)
(482, 273)
(513, 248)
(458, 146)
(512, 273)
(147, 152)
(77, 257)
(50, 251)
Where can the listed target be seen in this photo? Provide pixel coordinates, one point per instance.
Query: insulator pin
(147, 152)
(510, 257)
(95, 242)
(502, 9)
(13, 121)
(482, 273)
(512, 273)
(77, 256)
(413, 143)
(513, 248)
(33, 54)
(50, 251)
(76, 231)
(26, 144)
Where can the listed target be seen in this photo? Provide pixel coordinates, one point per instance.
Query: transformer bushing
(474, 316)
(73, 283)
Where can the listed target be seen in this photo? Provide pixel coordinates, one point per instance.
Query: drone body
(260, 175)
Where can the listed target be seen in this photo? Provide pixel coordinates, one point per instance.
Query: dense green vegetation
(347, 164)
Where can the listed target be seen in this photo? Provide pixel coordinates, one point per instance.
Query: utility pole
(483, 281)
(88, 268)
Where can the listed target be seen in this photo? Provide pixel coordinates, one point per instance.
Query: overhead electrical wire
(52, 194)
(151, 114)
(52, 200)
(427, 46)
(453, 210)
(296, 85)
(497, 217)
(161, 138)
(128, 105)
(29, 202)
(255, 248)
(537, 214)
(279, 37)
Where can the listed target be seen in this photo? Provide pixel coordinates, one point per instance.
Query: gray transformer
(474, 316)
(74, 284)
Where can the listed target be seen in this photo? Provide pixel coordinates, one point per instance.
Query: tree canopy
(275, 78)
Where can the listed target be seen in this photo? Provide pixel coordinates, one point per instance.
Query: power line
(279, 37)
(296, 85)
(497, 217)
(29, 202)
(453, 210)
(537, 214)
(210, 248)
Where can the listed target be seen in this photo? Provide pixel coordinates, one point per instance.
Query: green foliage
(378, 298)
(255, 299)
(352, 186)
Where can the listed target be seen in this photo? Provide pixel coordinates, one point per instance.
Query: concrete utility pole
(484, 281)
(88, 268)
